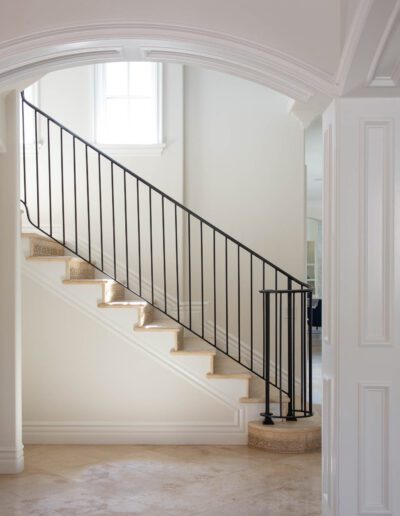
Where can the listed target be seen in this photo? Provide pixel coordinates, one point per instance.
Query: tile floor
(162, 480)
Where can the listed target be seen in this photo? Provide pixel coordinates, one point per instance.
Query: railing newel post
(267, 357)
(291, 405)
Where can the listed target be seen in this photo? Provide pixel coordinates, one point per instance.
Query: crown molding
(352, 41)
(239, 56)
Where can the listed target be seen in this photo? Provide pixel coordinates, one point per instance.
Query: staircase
(226, 312)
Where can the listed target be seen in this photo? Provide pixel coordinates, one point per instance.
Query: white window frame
(154, 149)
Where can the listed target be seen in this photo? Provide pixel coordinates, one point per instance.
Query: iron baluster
(88, 202)
(126, 233)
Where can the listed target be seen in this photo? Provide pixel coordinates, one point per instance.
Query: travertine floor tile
(162, 480)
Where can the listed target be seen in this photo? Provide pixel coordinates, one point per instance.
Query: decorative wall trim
(376, 232)
(248, 71)
(11, 460)
(327, 444)
(374, 476)
(239, 54)
(58, 58)
(99, 432)
(328, 179)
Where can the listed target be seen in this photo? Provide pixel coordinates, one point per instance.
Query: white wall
(244, 164)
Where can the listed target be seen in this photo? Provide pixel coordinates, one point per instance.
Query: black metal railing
(168, 255)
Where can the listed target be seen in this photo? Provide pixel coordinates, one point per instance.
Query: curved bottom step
(303, 435)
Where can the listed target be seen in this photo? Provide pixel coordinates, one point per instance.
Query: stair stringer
(49, 276)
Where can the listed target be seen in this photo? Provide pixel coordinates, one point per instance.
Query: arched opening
(212, 62)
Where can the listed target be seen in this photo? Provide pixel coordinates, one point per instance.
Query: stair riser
(113, 292)
(145, 315)
(236, 388)
(124, 317)
(164, 341)
(40, 247)
(77, 269)
(197, 365)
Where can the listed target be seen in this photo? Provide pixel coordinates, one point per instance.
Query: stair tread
(233, 376)
(193, 352)
(53, 258)
(88, 281)
(38, 235)
(157, 326)
(123, 304)
(274, 397)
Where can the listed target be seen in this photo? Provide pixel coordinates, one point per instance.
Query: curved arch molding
(39, 53)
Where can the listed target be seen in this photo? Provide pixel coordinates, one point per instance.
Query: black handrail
(157, 190)
(257, 360)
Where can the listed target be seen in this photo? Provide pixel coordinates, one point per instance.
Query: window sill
(152, 150)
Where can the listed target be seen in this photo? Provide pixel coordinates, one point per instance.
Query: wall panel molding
(374, 449)
(376, 233)
(327, 265)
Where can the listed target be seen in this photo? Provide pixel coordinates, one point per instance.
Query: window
(128, 104)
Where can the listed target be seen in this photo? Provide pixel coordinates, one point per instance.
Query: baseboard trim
(121, 433)
(11, 460)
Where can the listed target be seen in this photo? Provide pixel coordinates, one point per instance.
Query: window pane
(142, 78)
(143, 118)
(116, 121)
(116, 79)
(128, 104)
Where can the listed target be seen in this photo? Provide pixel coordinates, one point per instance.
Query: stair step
(123, 304)
(37, 235)
(232, 376)
(195, 344)
(52, 258)
(193, 353)
(274, 398)
(90, 281)
(157, 326)
(42, 245)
